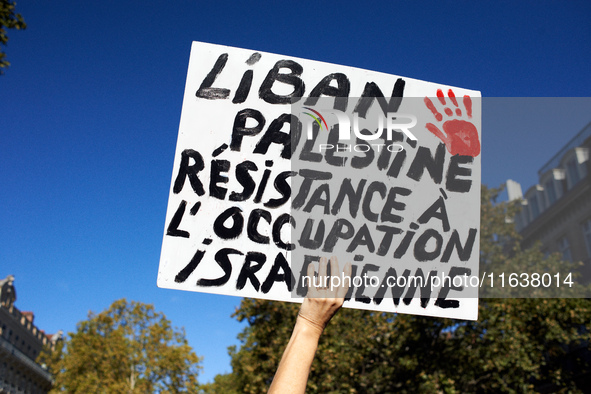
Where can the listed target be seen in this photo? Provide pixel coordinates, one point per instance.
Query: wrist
(309, 325)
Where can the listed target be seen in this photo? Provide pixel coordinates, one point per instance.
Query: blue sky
(91, 104)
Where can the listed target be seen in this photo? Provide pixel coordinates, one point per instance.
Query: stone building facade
(557, 210)
(20, 344)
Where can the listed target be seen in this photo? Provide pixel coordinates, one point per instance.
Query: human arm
(318, 308)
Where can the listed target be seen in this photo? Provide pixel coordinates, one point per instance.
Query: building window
(550, 192)
(564, 248)
(587, 235)
(572, 169)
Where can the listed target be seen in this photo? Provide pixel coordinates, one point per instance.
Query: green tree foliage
(8, 20)
(222, 384)
(128, 348)
(517, 345)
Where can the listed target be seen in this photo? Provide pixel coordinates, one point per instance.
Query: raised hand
(461, 136)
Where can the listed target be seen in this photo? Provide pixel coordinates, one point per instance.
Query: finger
(452, 97)
(435, 130)
(334, 270)
(441, 96)
(322, 271)
(434, 111)
(346, 281)
(311, 287)
(468, 105)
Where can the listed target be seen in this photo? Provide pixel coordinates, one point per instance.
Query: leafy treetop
(129, 348)
(8, 20)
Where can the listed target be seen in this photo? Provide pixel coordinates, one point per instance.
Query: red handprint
(461, 136)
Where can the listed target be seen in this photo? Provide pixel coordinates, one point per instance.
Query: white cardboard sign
(267, 178)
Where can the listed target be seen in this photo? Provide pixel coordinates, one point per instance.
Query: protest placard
(281, 161)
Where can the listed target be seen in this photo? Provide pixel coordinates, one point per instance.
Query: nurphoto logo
(354, 127)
